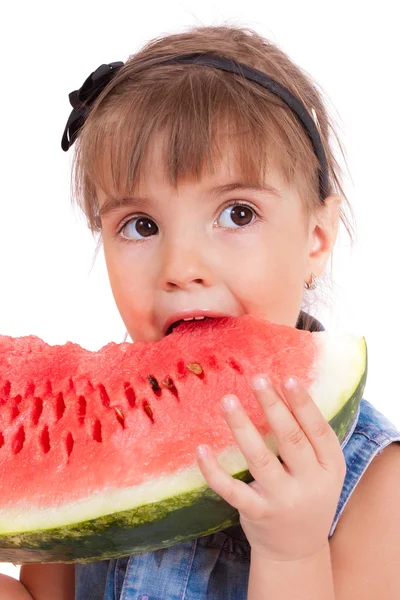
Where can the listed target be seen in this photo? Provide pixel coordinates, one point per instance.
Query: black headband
(82, 99)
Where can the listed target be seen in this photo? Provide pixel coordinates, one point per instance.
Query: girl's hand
(287, 512)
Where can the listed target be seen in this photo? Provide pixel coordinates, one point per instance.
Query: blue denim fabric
(216, 567)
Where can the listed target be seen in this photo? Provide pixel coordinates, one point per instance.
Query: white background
(48, 48)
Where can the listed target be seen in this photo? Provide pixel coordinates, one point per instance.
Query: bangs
(193, 113)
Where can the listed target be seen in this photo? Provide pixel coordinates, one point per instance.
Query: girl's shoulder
(366, 438)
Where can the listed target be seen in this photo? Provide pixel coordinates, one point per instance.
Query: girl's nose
(184, 265)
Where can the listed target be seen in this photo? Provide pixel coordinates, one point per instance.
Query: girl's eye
(139, 228)
(236, 216)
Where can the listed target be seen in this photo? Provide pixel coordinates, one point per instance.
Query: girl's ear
(322, 234)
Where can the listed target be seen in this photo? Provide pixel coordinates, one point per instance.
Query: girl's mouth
(188, 316)
(179, 321)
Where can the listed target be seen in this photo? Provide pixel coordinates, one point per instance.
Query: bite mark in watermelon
(97, 449)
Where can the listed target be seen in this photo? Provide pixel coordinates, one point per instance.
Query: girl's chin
(140, 337)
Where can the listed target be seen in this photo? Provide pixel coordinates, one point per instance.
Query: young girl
(206, 164)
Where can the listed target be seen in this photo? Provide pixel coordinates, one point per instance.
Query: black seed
(154, 385)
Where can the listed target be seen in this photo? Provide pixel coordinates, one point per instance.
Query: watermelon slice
(97, 449)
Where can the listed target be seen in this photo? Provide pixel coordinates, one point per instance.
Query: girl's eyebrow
(113, 204)
(231, 187)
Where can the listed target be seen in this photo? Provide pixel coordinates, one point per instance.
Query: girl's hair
(193, 109)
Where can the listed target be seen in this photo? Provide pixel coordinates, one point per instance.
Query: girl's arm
(12, 589)
(46, 582)
(309, 579)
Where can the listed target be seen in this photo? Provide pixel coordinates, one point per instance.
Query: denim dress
(216, 567)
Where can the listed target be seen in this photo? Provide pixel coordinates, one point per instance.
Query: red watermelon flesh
(75, 422)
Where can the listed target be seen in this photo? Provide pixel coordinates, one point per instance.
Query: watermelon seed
(1, 439)
(30, 389)
(48, 387)
(60, 406)
(212, 362)
(37, 410)
(120, 416)
(15, 408)
(14, 412)
(5, 392)
(18, 441)
(104, 396)
(69, 442)
(181, 368)
(81, 409)
(130, 395)
(154, 385)
(71, 385)
(170, 385)
(97, 431)
(148, 411)
(235, 365)
(45, 440)
(195, 368)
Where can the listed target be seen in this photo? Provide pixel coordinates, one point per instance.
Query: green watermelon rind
(148, 527)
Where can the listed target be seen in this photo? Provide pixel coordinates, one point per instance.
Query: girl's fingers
(320, 434)
(303, 436)
(293, 444)
(240, 495)
(262, 462)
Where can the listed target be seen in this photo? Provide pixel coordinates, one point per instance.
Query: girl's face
(211, 248)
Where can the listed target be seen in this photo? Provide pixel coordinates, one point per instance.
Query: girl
(206, 164)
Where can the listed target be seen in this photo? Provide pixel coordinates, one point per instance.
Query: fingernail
(229, 403)
(202, 451)
(291, 383)
(260, 382)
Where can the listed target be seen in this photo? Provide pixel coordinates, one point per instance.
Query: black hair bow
(82, 99)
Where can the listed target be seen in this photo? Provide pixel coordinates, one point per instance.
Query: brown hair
(193, 105)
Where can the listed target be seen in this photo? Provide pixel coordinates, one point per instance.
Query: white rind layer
(341, 363)
(340, 367)
(30, 518)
